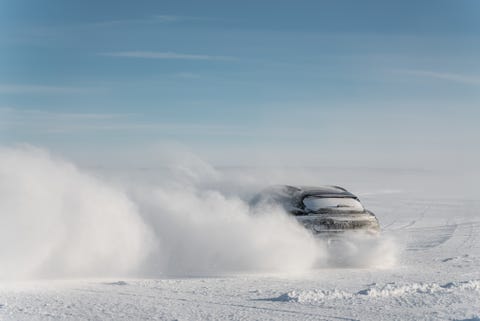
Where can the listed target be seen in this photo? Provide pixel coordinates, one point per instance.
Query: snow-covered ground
(436, 278)
(430, 247)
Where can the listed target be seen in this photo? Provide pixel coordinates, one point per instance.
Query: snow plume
(205, 232)
(59, 221)
(357, 249)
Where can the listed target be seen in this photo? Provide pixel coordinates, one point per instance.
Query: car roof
(321, 191)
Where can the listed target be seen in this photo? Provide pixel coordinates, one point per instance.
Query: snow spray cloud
(360, 250)
(58, 221)
(204, 232)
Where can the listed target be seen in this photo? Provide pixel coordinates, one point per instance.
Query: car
(320, 209)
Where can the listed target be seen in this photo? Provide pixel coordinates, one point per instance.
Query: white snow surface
(195, 253)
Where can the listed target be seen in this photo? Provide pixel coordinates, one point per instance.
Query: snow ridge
(385, 291)
(312, 296)
(392, 289)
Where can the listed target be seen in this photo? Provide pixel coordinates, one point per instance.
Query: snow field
(185, 246)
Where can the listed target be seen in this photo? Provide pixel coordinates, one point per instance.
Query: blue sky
(370, 83)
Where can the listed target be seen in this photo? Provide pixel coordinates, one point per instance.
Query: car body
(321, 209)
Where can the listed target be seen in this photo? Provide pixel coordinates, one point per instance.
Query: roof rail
(293, 187)
(338, 187)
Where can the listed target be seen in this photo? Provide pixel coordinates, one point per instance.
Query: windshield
(316, 204)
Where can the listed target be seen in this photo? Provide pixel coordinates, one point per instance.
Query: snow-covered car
(322, 208)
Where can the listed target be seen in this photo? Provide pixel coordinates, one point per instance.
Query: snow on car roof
(327, 190)
(302, 191)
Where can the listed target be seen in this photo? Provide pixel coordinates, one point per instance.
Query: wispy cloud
(170, 18)
(39, 122)
(56, 122)
(154, 19)
(39, 89)
(57, 115)
(186, 75)
(453, 77)
(164, 55)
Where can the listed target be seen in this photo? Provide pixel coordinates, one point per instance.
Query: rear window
(315, 204)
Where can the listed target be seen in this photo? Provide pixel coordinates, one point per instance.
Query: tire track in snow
(407, 206)
(415, 221)
(470, 235)
(227, 304)
(430, 237)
